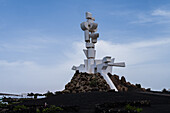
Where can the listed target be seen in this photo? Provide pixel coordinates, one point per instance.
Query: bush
(139, 110)
(38, 111)
(133, 108)
(52, 109)
(2, 104)
(20, 108)
(48, 94)
(164, 90)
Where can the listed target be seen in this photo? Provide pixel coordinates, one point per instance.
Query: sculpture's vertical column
(89, 29)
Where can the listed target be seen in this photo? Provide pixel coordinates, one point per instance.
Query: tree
(164, 90)
(48, 94)
(30, 94)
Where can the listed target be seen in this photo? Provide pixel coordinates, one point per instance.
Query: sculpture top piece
(90, 39)
(88, 27)
(91, 65)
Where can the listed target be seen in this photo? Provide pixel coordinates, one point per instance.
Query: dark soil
(87, 102)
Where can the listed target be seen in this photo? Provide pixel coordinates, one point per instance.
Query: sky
(40, 41)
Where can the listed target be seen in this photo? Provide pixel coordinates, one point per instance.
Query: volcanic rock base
(84, 82)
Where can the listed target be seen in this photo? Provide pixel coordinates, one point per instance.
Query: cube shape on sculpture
(91, 53)
(106, 59)
(88, 15)
(89, 45)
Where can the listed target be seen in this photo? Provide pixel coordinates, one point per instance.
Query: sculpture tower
(92, 65)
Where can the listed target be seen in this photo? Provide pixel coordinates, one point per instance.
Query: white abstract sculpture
(91, 65)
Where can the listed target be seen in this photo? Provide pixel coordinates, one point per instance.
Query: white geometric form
(92, 65)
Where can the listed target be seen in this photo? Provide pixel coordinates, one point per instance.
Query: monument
(92, 65)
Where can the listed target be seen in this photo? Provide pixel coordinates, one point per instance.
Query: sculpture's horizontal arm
(121, 64)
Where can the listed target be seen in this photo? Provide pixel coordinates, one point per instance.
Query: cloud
(146, 61)
(39, 50)
(159, 12)
(157, 16)
(142, 19)
(134, 53)
(27, 76)
(150, 43)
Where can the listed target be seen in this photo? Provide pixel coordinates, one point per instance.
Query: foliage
(2, 104)
(164, 90)
(30, 94)
(48, 94)
(133, 108)
(35, 95)
(139, 110)
(20, 108)
(38, 111)
(52, 109)
(13, 103)
(9, 100)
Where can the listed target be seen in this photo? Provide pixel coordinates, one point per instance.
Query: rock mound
(84, 82)
(122, 85)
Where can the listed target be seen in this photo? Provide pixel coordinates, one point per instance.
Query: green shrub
(2, 104)
(20, 108)
(139, 110)
(38, 111)
(52, 109)
(132, 108)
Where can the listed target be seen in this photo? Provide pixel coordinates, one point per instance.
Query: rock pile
(122, 85)
(84, 82)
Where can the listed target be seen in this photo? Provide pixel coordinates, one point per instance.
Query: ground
(86, 102)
